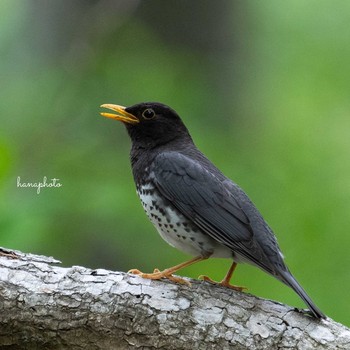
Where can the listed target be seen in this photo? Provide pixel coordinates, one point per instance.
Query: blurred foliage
(262, 86)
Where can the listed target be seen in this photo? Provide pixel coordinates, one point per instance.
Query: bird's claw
(157, 275)
(223, 283)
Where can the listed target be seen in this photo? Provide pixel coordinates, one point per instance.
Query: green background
(263, 87)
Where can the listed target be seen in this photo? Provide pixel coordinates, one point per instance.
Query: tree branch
(43, 306)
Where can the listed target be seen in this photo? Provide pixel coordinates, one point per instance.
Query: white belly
(175, 229)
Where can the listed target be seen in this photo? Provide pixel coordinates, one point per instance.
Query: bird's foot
(157, 275)
(168, 273)
(223, 283)
(8, 254)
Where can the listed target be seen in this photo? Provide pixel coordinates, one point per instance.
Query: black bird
(194, 207)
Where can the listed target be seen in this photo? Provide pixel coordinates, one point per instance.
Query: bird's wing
(210, 203)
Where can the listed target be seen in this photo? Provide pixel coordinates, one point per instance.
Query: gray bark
(43, 306)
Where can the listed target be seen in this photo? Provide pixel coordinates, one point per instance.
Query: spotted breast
(175, 228)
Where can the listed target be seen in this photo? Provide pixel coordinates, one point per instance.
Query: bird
(192, 204)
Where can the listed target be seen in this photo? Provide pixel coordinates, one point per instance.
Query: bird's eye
(148, 113)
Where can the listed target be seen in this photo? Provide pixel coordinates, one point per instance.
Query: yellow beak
(122, 115)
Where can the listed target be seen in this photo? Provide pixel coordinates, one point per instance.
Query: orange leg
(168, 273)
(226, 281)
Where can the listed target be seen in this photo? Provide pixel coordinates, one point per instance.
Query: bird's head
(149, 124)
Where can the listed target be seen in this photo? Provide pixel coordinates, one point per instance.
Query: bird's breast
(176, 229)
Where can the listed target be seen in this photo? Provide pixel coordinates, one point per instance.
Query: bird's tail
(287, 278)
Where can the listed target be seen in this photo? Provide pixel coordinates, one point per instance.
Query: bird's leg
(168, 273)
(226, 281)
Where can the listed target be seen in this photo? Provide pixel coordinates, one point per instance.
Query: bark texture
(43, 306)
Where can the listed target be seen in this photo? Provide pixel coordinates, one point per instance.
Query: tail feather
(287, 278)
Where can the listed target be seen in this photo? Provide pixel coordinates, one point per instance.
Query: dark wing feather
(222, 210)
(215, 205)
